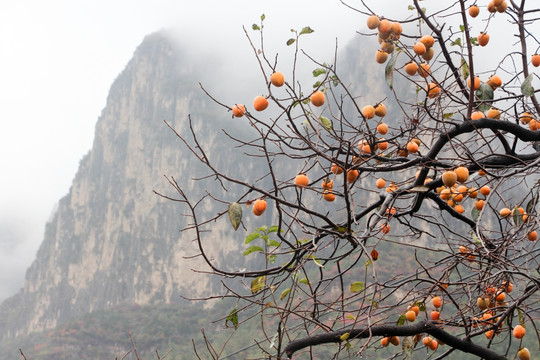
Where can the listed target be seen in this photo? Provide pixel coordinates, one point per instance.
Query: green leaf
(368, 262)
(326, 123)
(420, 305)
(410, 7)
(258, 284)
(233, 318)
(304, 281)
(357, 286)
(251, 237)
(447, 116)
(517, 216)
(284, 293)
(235, 214)
(407, 345)
(401, 320)
(341, 229)
(262, 228)
(317, 84)
(274, 243)
(344, 336)
(474, 41)
(456, 42)
(521, 317)
(462, 28)
(531, 204)
(272, 258)
(290, 42)
(526, 87)
(306, 30)
(272, 229)
(255, 27)
(319, 71)
(335, 80)
(476, 239)
(475, 213)
(389, 69)
(485, 93)
(252, 249)
(465, 72)
(263, 17)
(315, 260)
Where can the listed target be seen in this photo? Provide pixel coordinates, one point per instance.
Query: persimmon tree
(419, 231)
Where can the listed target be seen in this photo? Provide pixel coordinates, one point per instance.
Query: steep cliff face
(112, 240)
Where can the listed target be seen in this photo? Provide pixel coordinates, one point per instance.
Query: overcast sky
(58, 60)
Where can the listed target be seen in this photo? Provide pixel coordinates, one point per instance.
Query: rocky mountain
(112, 240)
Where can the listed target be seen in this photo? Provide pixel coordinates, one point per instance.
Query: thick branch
(428, 327)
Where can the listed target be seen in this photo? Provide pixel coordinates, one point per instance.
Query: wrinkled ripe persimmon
(477, 82)
(259, 206)
(419, 48)
(380, 183)
(474, 11)
(380, 110)
(352, 175)
(336, 169)
(424, 70)
(483, 39)
(411, 68)
(260, 103)
(427, 40)
(301, 180)
(494, 81)
(432, 90)
(329, 196)
(381, 56)
(277, 79)
(462, 173)
(385, 26)
(317, 98)
(382, 128)
(373, 22)
(238, 110)
(535, 60)
(518, 332)
(368, 111)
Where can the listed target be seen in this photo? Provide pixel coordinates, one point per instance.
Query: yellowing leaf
(233, 318)
(306, 30)
(258, 284)
(389, 70)
(344, 336)
(526, 87)
(357, 286)
(284, 293)
(235, 214)
(326, 123)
